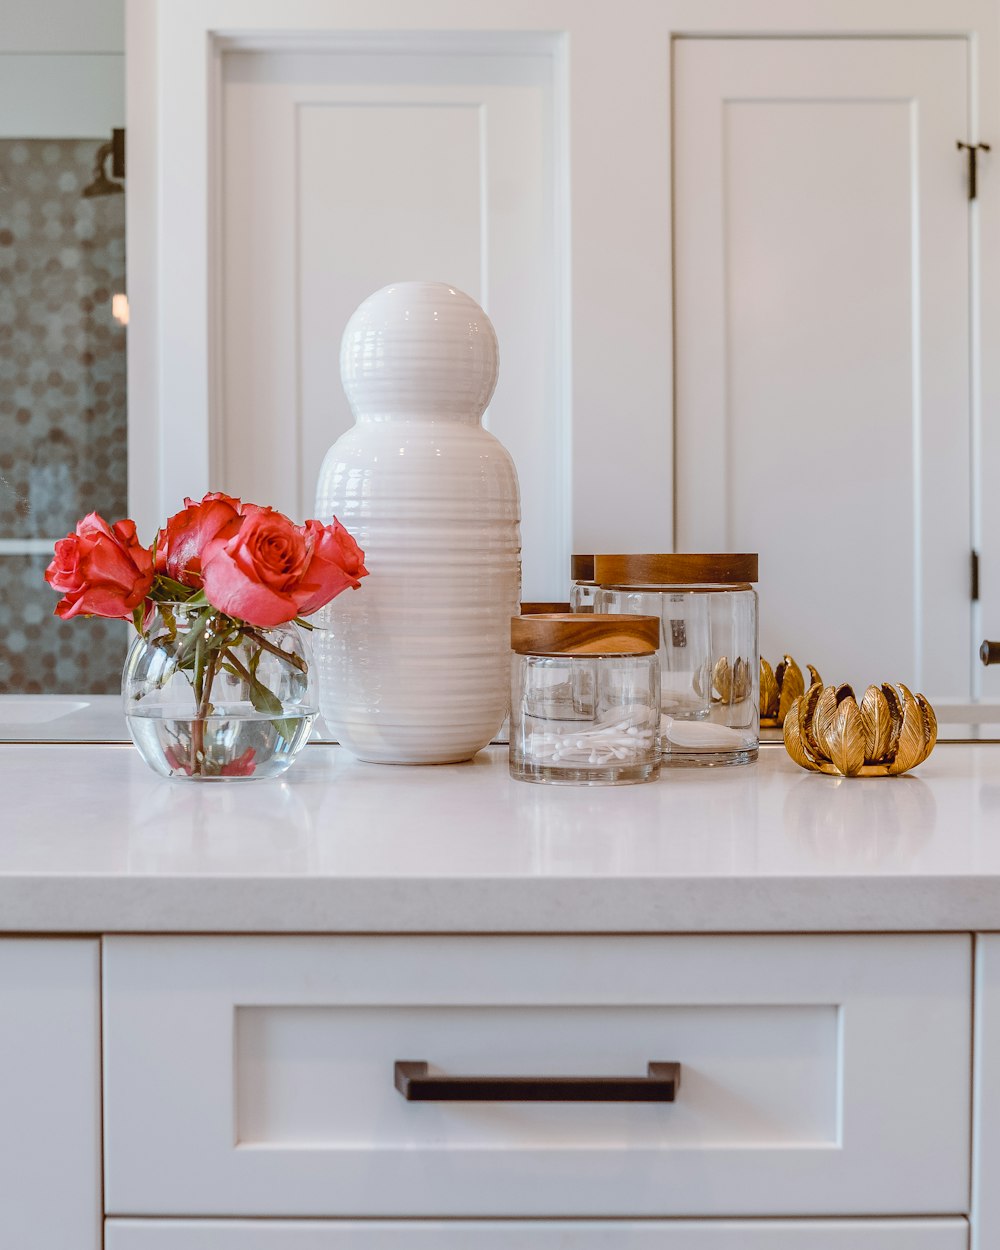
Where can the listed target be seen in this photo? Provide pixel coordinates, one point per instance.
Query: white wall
(62, 68)
(62, 26)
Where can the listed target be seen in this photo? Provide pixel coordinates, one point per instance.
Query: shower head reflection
(100, 183)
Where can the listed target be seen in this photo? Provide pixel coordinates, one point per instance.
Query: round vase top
(419, 349)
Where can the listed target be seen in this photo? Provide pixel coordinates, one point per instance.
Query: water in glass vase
(234, 741)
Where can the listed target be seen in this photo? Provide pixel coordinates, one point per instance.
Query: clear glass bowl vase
(210, 698)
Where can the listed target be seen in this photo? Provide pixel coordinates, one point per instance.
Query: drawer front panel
(50, 1103)
(254, 1076)
(522, 1235)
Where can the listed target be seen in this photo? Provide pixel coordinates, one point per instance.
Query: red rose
(270, 570)
(100, 570)
(180, 547)
(244, 765)
(337, 562)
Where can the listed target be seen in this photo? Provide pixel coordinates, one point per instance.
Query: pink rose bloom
(177, 762)
(180, 547)
(243, 766)
(100, 570)
(270, 570)
(337, 562)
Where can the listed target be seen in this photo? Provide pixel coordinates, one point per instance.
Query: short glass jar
(710, 666)
(583, 590)
(585, 699)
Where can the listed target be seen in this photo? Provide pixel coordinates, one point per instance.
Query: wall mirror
(739, 282)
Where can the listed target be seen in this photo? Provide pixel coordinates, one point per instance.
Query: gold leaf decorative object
(769, 694)
(791, 683)
(847, 739)
(910, 745)
(805, 708)
(877, 721)
(795, 740)
(896, 711)
(780, 687)
(930, 726)
(731, 683)
(824, 718)
(891, 732)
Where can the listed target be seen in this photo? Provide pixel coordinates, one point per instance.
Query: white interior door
(556, 212)
(822, 343)
(345, 170)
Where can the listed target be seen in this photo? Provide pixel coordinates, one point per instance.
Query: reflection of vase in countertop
(414, 667)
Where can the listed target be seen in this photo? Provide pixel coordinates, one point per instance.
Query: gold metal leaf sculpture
(731, 682)
(891, 732)
(877, 721)
(824, 719)
(807, 711)
(780, 687)
(846, 741)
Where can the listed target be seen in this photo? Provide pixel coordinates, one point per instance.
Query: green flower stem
(295, 660)
(263, 699)
(240, 667)
(198, 728)
(204, 694)
(196, 634)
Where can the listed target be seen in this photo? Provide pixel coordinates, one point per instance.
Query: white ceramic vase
(414, 667)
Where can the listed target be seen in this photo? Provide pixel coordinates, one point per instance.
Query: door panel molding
(822, 342)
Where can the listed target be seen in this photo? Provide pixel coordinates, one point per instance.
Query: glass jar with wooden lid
(710, 668)
(583, 588)
(585, 698)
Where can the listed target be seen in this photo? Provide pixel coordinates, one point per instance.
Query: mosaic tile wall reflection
(39, 654)
(62, 402)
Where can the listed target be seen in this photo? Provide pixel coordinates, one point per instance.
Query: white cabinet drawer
(521, 1235)
(254, 1076)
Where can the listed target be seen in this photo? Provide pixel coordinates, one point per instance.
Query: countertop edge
(782, 904)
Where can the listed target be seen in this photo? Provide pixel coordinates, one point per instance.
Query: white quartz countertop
(92, 841)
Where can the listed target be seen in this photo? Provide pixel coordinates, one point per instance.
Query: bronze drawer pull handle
(414, 1083)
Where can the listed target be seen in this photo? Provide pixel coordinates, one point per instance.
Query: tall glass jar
(710, 667)
(583, 588)
(585, 699)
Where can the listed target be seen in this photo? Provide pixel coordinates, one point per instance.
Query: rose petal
(180, 547)
(337, 563)
(100, 569)
(229, 588)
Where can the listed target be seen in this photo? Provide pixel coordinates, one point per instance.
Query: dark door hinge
(975, 577)
(973, 150)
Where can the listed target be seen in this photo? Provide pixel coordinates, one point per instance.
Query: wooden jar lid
(581, 568)
(675, 570)
(533, 609)
(584, 633)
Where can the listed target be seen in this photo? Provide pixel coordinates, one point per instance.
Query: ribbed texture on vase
(420, 349)
(429, 695)
(414, 667)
